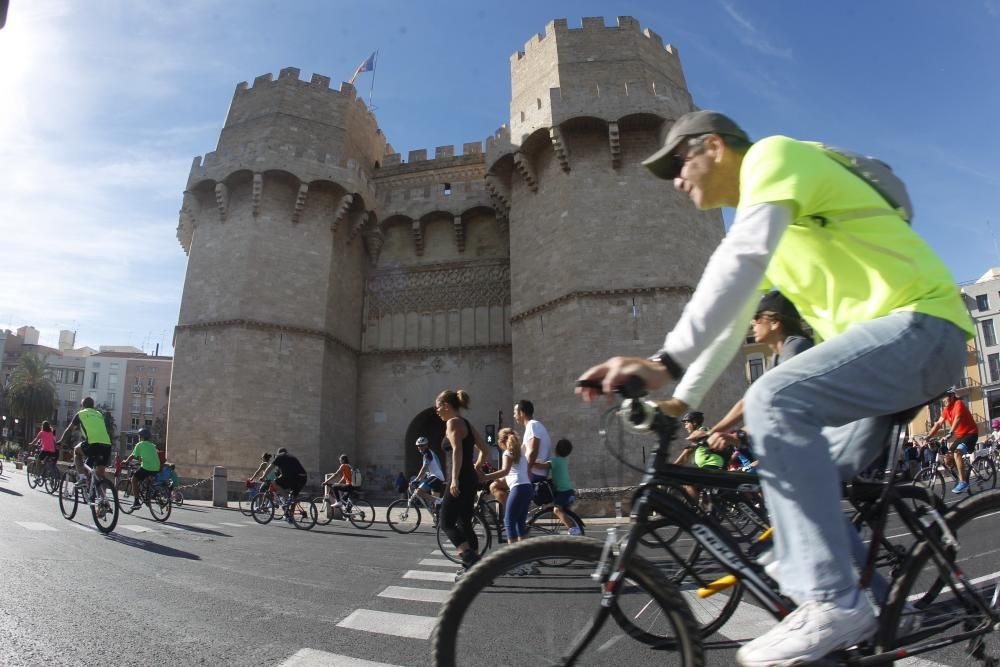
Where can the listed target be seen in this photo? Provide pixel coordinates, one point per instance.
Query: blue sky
(106, 103)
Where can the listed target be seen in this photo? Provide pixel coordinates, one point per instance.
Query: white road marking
(436, 562)
(918, 662)
(163, 525)
(947, 590)
(82, 527)
(389, 623)
(427, 575)
(235, 525)
(418, 594)
(34, 525)
(310, 657)
(437, 552)
(136, 529)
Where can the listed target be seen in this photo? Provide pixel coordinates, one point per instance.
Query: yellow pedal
(766, 535)
(720, 584)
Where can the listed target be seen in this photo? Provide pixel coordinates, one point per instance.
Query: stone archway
(426, 423)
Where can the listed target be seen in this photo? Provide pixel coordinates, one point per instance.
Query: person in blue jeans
(893, 328)
(514, 468)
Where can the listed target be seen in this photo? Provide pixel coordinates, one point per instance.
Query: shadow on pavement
(195, 529)
(355, 533)
(10, 491)
(152, 547)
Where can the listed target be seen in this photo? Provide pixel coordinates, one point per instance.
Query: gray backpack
(879, 176)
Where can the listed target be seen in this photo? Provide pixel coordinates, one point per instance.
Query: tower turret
(603, 255)
(274, 223)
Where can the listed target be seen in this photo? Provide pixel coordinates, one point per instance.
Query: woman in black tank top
(459, 503)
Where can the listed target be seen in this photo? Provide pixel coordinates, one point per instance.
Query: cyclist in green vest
(96, 445)
(149, 459)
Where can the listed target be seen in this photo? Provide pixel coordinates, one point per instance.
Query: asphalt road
(211, 587)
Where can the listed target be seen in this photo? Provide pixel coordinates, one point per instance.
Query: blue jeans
(515, 514)
(823, 416)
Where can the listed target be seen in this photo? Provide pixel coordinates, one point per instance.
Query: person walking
(459, 502)
(893, 327)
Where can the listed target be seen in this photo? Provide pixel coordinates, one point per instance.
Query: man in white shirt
(536, 441)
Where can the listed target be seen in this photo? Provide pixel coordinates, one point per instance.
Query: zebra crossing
(152, 529)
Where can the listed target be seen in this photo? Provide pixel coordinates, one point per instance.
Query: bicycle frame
(927, 526)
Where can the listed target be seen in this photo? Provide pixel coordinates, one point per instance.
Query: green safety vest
(95, 431)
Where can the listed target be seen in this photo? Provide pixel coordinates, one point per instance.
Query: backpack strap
(854, 214)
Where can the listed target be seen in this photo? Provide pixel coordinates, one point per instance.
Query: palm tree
(31, 392)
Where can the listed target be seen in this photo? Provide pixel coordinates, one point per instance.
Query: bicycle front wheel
(124, 488)
(160, 504)
(69, 495)
(402, 517)
(932, 480)
(177, 498)
(303, 514)
(33, 475)
(52, 480)
(104, 508)
(513, 580)
(923, 604)
(481, 529)
(323, 517)
(246, 499)
(982, 475)
(361, 514)
(262, 508)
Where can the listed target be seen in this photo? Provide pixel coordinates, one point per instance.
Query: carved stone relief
(438, 289)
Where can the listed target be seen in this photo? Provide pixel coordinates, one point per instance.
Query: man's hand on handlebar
(613, 373)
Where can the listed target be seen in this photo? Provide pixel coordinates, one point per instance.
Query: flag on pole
(367, 66)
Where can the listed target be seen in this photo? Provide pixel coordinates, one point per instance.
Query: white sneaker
(809, 633)
(575, 531)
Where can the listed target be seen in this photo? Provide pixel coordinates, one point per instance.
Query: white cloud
(753, 37)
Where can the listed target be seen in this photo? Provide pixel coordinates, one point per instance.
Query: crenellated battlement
(443, 156)
(592, 27)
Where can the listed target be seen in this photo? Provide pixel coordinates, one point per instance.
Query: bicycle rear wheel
(69, 495)
(922, 600)
(513, 581)
(982, 475)
(105, 506)
(362, 514)
(543, 521)
(52, 480)
(480, 527)
(262, 508)
(160, 504)
(303, 513)
(402, 517)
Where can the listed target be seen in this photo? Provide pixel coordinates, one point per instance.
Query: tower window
(522, 116)
(538, 101)
(447, 188)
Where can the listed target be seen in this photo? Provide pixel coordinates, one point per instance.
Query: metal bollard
(220, 484)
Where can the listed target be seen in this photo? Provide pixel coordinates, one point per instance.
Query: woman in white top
(515, 470)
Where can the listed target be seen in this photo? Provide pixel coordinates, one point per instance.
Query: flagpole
(372, 87)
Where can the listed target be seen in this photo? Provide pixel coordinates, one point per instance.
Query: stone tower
(603, 255)
(334, 288)
(274, 223)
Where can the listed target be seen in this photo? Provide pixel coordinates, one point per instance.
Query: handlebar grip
(591, 384)
(633, 386)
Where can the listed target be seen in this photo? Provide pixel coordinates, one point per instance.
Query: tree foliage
(31, 393)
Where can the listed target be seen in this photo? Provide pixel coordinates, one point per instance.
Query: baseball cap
(664, 163)
(776, 302)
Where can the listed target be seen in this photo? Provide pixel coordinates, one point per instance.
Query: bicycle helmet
(695, 417)
(422, 442)
(145, 434)
(951, 391)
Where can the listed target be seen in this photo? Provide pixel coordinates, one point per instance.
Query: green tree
(31, 393)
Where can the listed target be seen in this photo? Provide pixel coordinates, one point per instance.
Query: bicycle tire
(52, 480)
(483, 534)
(451, 644)
(32, 474)
(932, 480)
(361, 514)
(303, 514)
(177, 498)
(689, 567)
(494, 512)
(160, 504)
(244, 503)
(402, 516)
(104, 508)
(982, 475)
(543, 521)
(932, 600)
(262, 508)
(69, 495)
(125, 498)
(322, 518)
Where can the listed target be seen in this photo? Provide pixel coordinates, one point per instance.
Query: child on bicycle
(168, 477)
(149, 463)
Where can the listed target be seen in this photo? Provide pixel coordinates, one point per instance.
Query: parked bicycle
(932, 603)
(301, 512)
(357, 510)
(99, 494)
(404, 515)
